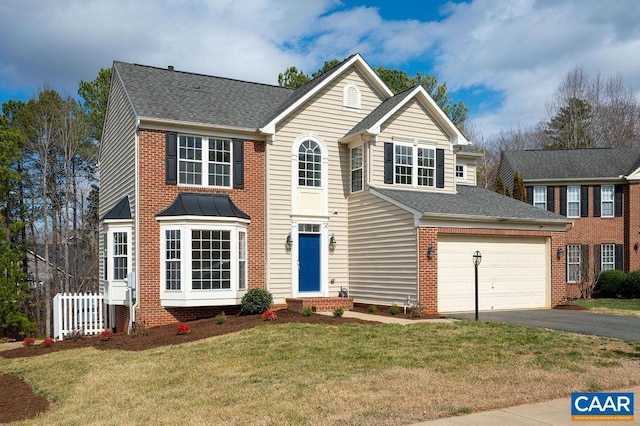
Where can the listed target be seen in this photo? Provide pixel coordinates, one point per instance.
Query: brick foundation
(319, 304)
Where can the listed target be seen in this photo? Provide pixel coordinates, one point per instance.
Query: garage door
(513, 273)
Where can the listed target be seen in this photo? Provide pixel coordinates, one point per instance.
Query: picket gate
(78, 313)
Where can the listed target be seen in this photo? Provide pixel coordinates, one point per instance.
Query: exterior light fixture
(430, 252)
(332, 242)
(559, 252)
(477, 258)
(289, 242)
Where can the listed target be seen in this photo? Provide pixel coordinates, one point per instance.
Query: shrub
(183, 328)
(269, 315)
(221, 318)
(306, 312)
(105, 335)
(139, 328)
(372, 309)
(611, 283)
(47, 342)
(632, 286)
(28, 341)
(338, 312)
(394, 309)
(415, 311)
(256, 301)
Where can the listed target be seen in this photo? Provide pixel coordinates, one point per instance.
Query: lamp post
(477, 258)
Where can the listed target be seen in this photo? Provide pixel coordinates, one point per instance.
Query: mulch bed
(571, 307)
(18, 401)
(384, 311)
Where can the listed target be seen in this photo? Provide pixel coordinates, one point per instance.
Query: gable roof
(591, 163)
(196, 204)
(372, 123)
(119, 211)
(470, 203)
(165, 94)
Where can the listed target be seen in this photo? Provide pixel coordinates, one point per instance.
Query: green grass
(311, 374)
(614, 306)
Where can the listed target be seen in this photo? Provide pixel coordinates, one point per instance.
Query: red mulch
(19, 402)
(571, 307)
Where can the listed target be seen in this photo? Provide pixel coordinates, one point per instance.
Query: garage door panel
(513, 273)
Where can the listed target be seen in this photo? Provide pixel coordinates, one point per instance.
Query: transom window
(120, 249)
(573, 201)
(573, 263)
(607, 257)
(606, 200)
(540, 197)
(309, 164)
(357, 169)
(410, 169)
(309, 228)
(192, 162)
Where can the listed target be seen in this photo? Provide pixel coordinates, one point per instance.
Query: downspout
(134, 306)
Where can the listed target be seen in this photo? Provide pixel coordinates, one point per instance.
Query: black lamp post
(477, 258)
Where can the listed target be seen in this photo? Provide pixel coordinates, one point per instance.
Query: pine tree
(519, 192)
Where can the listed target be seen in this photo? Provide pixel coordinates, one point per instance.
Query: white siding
(383, 266)
(410, 123)
(325, 117)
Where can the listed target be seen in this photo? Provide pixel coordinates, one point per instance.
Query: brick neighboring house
(597, 189)
(211, 186)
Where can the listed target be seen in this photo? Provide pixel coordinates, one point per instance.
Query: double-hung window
(414, 165)
(607, 257)
(172, 262)
(426, 166)
(403, 164)
(540, 197)
(116, 252)
(357, 169)
(606, 200)
(573, 263)
(120, 255)
(197, 156)
(573, 201)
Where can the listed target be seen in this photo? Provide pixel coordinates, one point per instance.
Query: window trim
(536, 200)
(612, 255)
(356, 105)
(571, 278)
(462, 178)
(319, 163)
(204, 161)
(608, 202)
(577, 202)
(360, 168)
(414, 166)
(109, 229)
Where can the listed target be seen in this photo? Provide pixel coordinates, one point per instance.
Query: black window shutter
(584, 201)
(530, 194)
(619, 259)
(439, 168)
(617, 201)
(584, 262)
(551, 202)
(388, 162)
(238, 163)
(596, 200)
(563, 200)
(171, 158)
(597, 260)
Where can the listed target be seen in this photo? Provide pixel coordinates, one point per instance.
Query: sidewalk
(390, 320)
(556, 412)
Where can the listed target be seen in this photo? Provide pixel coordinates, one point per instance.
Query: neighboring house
(598, 190)
(211, 186)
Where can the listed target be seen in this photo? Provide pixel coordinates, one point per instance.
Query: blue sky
(503, 58)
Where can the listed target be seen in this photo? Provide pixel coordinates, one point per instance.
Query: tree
(292, 78)
(569, 129)
(95, 94)
(519, 192)
(501, 188)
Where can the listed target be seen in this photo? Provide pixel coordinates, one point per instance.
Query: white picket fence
(77, 313)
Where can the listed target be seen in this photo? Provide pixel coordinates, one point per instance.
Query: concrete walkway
(389, 320)
(556, 412)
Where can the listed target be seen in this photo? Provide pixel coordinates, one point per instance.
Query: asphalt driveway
(617, 327)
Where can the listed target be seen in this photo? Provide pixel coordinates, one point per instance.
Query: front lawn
(326, 374)
(630, 307)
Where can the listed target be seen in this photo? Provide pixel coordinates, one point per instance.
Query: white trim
(204, 161)
(324, 259)
(349, 104)
(324, 173)
(351, 169)
(573, 201)
(164, 124)
(612, 201)
(462, 178)
(578, 273)
(415, 147)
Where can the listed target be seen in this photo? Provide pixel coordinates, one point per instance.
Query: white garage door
(513, 273)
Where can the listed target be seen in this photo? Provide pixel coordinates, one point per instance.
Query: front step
(319, 304)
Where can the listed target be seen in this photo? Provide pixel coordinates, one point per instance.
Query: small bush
(139, 328)
(28, 341)
(269, 315)
(105, 335)
(306, 312)
(611, 284)
(415, 311)
(394, 309)
(183, 329)
(338, 312)
(632, 286)
(372, 309)
(47, 342)
(221, 318)
(256, 301)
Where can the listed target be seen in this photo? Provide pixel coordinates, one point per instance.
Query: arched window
(309, 163)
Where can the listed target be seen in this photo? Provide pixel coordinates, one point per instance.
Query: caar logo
(602, 406)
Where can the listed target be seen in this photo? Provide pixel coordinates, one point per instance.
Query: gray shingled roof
(573, 163)
(195, 204)
(119, 211)
(380, 111)
(471, 201)
(166, 94)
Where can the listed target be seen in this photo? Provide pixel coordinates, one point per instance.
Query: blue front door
(308, 262)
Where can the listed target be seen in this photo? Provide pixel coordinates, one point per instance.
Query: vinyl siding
(408, 124)
(324, 117)
(117, 157)
(382, 251)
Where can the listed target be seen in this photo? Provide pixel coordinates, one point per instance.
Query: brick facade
(154, 195)
(319, 304)
(428, 267)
